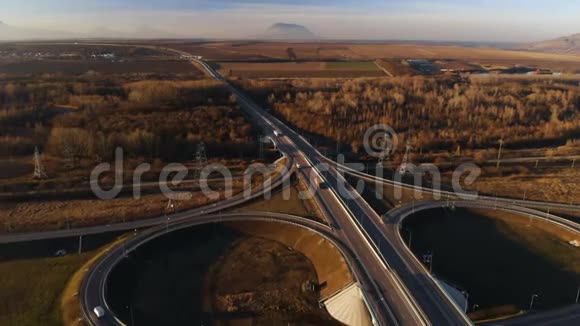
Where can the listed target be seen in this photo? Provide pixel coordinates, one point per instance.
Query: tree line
(83, 118)
(435, 113)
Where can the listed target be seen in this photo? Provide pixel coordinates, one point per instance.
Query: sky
(442, 20)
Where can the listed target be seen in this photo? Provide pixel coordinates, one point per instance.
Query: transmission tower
(200, 158)
(387, 147)
(38, 168)
(405, 165)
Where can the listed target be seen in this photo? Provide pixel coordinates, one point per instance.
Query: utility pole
(501, 142)
(80, 245)
(200, 158)
(406, 159)
(170, 209)
(338, 144)
(38, 167)
(534, 296)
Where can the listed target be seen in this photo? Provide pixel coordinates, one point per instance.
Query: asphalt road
(93, 289)
(561, 317)
(234, 201)
(410, 294)
(404, 294)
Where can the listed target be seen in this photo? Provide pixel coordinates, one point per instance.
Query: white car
(99, 312)
(298, 166)
(60, 253)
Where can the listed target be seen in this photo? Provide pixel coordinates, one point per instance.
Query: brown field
(12, 168)
(344, 51)
(299, 69)
(54, 215)
(395, 67)
(78, 67)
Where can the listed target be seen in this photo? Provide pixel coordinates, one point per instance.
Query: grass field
(350, 69)
(32, 279)
(500, 259)
(31, 289)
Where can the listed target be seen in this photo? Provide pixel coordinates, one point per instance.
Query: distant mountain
(569, 44)
(14, 33)
(284, 31)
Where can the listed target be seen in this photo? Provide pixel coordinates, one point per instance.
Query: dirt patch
(332, 270)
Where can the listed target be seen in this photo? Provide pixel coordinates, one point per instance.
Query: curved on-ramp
(394, 219)
(93, 287)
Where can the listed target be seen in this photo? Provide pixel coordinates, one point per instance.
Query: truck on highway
(277, 133)
(99, 312)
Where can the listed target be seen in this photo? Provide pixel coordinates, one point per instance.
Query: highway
(405, 294)
(411, 295)
(399, 289)
(93, 288)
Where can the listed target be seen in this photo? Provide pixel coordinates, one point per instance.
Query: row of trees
(149, 118)
(435, 113)
(170, 134)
